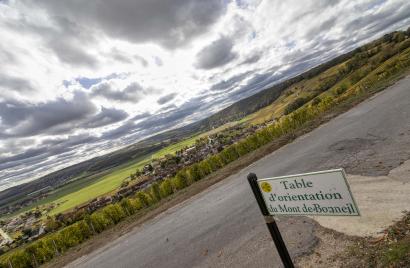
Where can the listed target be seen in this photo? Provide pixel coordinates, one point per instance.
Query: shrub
(275, 130)
(215, 162)
(136, 203)
(252, 142)
(83, 230)
(193, 173)
(179, 181)
(316, 101)
(143, 198)
(165, 188)
(73, 234)
(204, 168)
(21, 259)
(404, 45)
(229, 154)
(263, 136)
(114, 212)
(299, 102)
(154, 192)
(232, 153)
(127, 206)
(52, 246)
(100, 221)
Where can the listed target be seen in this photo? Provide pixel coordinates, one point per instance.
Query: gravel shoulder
(328, 252)
(381, 201)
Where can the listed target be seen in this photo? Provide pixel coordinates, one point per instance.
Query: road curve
(222, 227)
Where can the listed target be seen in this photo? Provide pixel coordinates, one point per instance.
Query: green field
(113, 180)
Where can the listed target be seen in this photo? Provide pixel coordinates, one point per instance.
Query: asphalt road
(222, 227)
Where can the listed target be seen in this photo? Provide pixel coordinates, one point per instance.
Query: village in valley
(30, 225)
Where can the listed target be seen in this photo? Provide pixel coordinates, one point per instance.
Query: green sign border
(313, 173)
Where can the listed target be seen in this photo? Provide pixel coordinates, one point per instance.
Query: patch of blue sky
(87, 82)
(291, 44)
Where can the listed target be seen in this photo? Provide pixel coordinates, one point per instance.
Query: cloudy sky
(79, 78)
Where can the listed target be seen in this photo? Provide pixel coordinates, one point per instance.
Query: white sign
(324, 193)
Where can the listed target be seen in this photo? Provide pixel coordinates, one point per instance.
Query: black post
(270, 222)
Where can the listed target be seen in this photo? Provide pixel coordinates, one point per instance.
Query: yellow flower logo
(266, 187)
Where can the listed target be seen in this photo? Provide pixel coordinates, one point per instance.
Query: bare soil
(329, 250)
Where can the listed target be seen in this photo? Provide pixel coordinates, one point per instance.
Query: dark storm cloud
(71, 53)
(52, 150)
(140, 116)
(72, 48)
(216, 54)
(166, 98)
(172, 117)
(256, 83)
(229, 83)
(126, 128)
(65, 38)
(15, 83)
(107, 116)
(71, 141)
(22, 119)
(171, 23)
(252, 58)
(134, 92)
(30, 153)
(58, 116)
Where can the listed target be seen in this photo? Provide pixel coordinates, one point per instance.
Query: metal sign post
(270, 223)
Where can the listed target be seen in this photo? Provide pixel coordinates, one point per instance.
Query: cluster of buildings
(5, 239)
(170, 164)
(23, 228)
